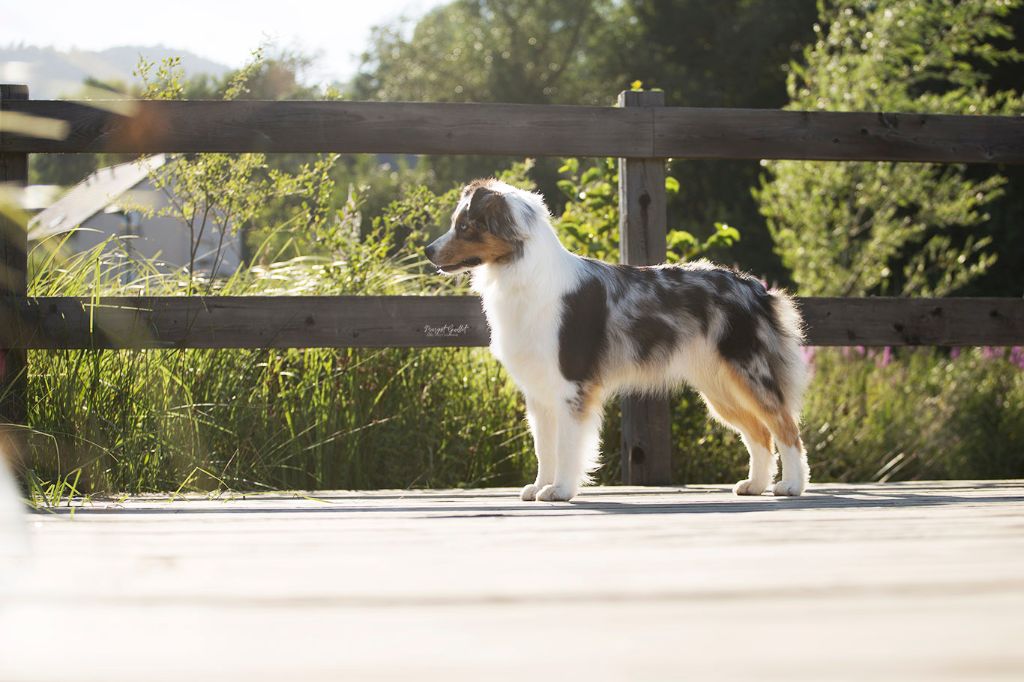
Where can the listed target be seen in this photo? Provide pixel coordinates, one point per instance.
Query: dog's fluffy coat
(573, 331)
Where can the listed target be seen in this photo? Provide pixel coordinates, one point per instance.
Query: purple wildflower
(992, 352)
(885, 359)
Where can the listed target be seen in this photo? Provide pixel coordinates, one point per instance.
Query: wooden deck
(898, 581)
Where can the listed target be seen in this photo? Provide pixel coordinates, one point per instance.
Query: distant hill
(52, 73)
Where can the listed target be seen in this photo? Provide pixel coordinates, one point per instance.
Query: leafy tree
(1003, 278)
(487, 50)
(886, 228)
(723, 53)
(726, 53)
(589, 223)
(222, 193)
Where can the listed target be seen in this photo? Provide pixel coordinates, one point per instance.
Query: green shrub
(924, 416)
(859, 228)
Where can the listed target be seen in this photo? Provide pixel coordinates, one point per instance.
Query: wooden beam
(913, 321)
(348, 127)
(13, 285)
(643, 226)
(837, 136)
(516, 130)
(425, 321)
(248, 322)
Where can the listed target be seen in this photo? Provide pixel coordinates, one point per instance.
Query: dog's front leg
(579, 435)
(544, 427)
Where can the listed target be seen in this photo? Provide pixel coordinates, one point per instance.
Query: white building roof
(91, 196)
(39, 197)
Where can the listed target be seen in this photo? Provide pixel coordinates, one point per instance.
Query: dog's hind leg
(756, 437)
(795, 470)
(543, 426)
(579, 440)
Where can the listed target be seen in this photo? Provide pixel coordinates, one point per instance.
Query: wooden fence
(641, 132)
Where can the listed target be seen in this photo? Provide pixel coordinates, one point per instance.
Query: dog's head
(484, 230)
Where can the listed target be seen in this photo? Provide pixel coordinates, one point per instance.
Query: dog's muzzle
(449, 268)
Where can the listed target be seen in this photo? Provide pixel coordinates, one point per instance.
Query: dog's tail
(788, 364)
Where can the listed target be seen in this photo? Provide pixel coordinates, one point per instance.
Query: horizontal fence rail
(506, 130)
(427, 321)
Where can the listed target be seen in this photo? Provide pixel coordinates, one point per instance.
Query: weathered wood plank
(349, 127)
(251, 322)
(13, 284)
(909, 581)
(853, 136)
(423, 321)
(520, 130)
(643, 226)
(913, 321)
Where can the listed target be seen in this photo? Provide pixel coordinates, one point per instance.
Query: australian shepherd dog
(574, 331)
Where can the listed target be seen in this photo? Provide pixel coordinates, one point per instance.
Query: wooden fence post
(13, 285)
(646, 426)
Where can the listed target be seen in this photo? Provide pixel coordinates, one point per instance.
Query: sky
(224, 31)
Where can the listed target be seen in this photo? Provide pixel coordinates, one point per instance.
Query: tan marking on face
(467, 242)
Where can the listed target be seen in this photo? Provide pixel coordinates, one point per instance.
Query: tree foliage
(589, 223)
(886, 228)
(486, 50)
(218, 194)
(722, 53)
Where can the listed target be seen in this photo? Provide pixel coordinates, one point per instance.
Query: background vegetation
(319, 224)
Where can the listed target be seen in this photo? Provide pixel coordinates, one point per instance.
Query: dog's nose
(431, 250)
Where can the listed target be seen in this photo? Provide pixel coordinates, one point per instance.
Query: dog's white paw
(556, 493)
(786, 488)
(529, 492)
(750, 487)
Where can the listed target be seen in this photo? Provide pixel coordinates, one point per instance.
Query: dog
(573, 331)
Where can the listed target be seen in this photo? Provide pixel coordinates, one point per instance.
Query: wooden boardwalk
(897, 581)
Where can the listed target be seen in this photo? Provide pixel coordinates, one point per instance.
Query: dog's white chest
(524, 338)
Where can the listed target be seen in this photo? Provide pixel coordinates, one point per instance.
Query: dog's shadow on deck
(483, 504)
(818, 499)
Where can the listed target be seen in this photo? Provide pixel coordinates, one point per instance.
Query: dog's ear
(491, 210)
(484, 204)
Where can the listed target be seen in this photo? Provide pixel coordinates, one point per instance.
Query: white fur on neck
(523, 301)
(542, 269)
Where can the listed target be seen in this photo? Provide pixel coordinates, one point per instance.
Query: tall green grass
(137, 421)
(926, 414)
